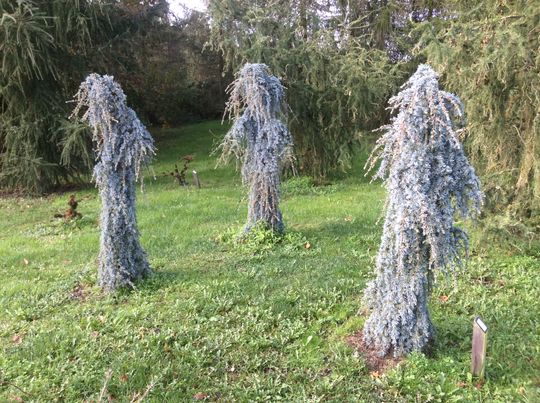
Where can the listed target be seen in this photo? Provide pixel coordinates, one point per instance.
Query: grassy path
(227, 325)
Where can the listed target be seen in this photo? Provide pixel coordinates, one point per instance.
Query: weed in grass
(61, 227)
(304, 185)
(261, 240)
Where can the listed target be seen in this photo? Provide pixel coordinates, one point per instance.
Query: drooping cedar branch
(260, 140)
(429, 182)
(122, 146)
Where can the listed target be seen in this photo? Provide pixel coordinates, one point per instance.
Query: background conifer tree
(122, 144)
(429, 182)
(259, 139)
(495, 46)
(46, 49)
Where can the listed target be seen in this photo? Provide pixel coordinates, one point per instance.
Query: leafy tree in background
(122, 145)
(489, 53)
(340, 61)
(429, 181)
(260, 139)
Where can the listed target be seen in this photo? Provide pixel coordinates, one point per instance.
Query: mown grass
(227, 324)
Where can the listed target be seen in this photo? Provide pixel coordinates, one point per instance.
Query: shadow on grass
(344, 231)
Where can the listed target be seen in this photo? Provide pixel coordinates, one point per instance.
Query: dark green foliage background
(335, 88)
(46, 47)
(490, 57)
(342, 60)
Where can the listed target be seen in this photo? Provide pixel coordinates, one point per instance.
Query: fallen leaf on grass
(78, 292)
(443, 298)
(348, 218)
(17, 339)
(26, 261)
(307, 245)
(201, 396)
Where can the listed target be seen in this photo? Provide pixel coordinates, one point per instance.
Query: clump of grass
(305, 185)
(261, 240)
(61, 227)
(505, 231)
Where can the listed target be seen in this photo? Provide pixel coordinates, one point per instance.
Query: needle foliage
(260, 139)
(337, 84)
(122, 146)
(489, 54)
(45, 46)
(430, 183)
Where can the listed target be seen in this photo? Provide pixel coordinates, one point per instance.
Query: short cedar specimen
(429, 182)
(260, 140)
(122, 146)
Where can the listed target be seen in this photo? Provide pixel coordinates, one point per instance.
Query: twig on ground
(108, 375)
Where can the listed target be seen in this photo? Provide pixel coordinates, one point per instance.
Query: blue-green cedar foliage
(429, 182)
(260, 140)
(122, 145)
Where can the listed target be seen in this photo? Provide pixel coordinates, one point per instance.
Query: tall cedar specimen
(260, 139)
(122, 144)
(429, 182)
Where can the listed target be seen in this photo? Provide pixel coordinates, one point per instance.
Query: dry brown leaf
(17, 339)
(443, 298)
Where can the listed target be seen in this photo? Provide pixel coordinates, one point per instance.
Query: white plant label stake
(196, 179)
(479, 347)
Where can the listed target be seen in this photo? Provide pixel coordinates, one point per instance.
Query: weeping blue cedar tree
(122, 145)
(429, 182)
(260, 140)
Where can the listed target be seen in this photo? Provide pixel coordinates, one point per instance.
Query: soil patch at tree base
(374, 362)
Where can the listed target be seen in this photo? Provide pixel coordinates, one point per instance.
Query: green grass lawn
(226, 324)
